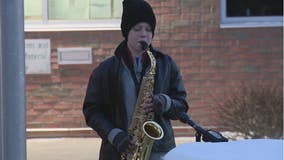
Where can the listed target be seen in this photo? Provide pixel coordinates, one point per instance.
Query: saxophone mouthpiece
(144, 45)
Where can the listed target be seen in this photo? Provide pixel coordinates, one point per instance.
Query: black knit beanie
(135, 11)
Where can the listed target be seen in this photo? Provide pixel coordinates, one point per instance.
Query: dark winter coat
(104, 105)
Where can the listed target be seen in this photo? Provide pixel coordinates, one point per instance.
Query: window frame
(69, 25)
(247, 22)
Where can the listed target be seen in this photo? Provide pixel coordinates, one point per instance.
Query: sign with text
(37, 56)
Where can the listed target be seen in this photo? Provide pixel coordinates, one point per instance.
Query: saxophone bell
(153, 130)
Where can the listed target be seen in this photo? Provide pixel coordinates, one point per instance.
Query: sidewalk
(71, 148)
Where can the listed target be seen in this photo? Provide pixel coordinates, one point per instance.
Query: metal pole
(1, 92)
(12, 80)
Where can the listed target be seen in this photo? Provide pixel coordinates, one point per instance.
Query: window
(251, 13)
(48, 15)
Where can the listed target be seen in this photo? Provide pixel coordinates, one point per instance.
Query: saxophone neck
(146, 48)
(152, 69)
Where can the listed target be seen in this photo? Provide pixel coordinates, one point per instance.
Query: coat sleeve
(94, 105)
(176, 93)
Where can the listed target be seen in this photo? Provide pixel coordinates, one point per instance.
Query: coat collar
(123, 52)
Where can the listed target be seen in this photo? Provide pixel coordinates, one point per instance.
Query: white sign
(74, 55)
(37, 56)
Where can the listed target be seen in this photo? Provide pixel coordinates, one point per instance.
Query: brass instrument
(143, 130)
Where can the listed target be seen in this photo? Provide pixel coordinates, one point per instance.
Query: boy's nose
(143, 32)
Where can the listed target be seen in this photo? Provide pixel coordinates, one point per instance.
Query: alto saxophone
(143, 130)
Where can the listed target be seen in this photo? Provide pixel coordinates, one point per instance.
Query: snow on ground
(250, 149)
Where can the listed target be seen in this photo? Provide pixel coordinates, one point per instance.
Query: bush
(255, 111)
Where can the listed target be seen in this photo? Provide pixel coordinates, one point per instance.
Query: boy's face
(140, 32)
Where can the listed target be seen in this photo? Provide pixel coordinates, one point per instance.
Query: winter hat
(135, 11)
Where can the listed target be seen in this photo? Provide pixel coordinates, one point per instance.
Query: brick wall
(212, 61)
(55, 100)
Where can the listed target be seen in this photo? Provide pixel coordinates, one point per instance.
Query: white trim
(250, 24)
(57, 129)
(58, 25)
(247, 22)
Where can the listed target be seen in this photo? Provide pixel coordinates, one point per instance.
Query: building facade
(215, 53)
